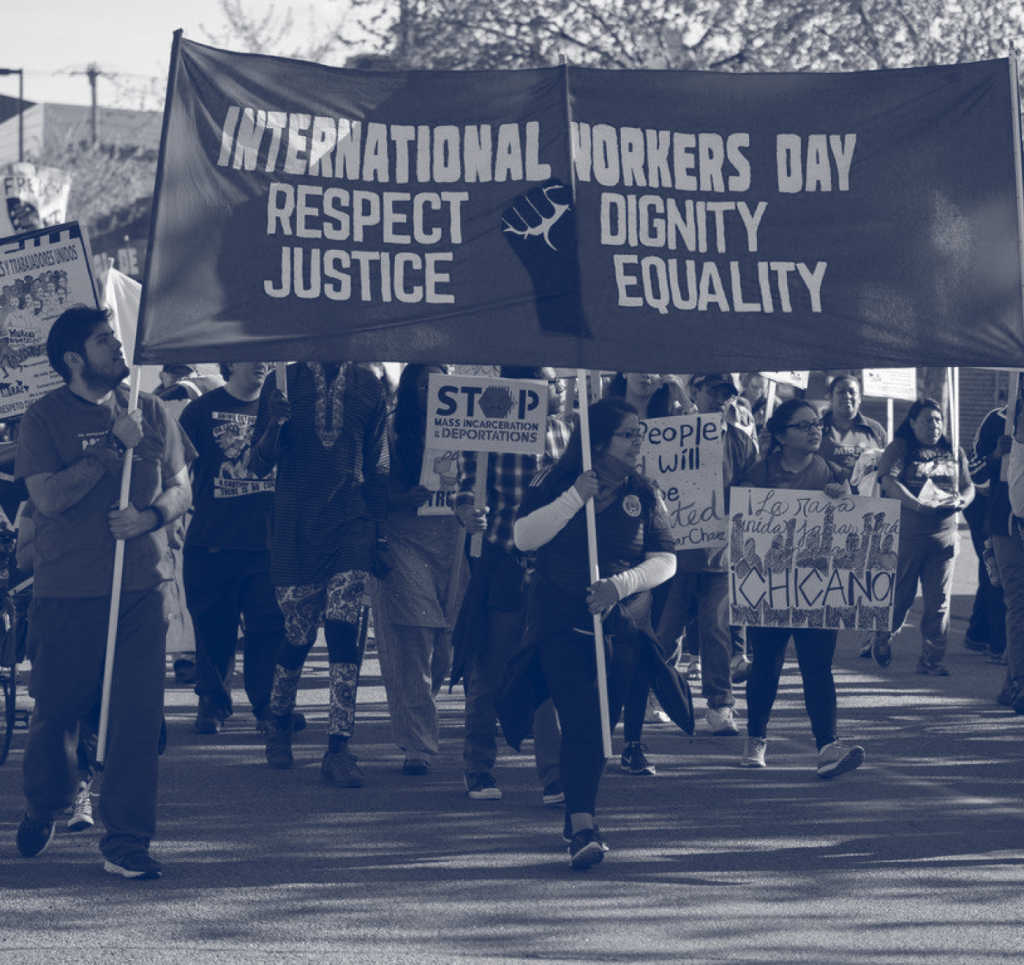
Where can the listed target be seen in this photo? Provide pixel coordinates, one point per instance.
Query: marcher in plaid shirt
(490, 624)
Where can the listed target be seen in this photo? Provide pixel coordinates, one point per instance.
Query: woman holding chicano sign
(792, 462)
(921, 470)
(636, 554)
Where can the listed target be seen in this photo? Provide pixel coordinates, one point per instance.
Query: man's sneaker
(415, 767)
(340, 769)
(279, 743)
(634, 761)
(740, 668)
(34, 836)
(586, 849)
(976, 645)
(836, 758)
(865, 647)
(753, 752)
(482, 787)
(998, 656)
(932, 668)
(81, 808)
(881, 649)
(136, 864)
(722, 722)
(1018, 703)
(554, 794)
(209, 720)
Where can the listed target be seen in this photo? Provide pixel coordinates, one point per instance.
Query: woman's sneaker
(836, 758)
(753, 752)
(586, 849)
(881, 648)
(634, 761)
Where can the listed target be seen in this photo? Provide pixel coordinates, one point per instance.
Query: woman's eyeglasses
(806, 426)
(632, 434)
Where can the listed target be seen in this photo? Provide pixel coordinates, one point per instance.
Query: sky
(129, 41)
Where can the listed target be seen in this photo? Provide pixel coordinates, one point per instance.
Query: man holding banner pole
(71, 451)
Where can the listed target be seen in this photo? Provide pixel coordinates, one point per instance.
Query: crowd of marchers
(284, 509)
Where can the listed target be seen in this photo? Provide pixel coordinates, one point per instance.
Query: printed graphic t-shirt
(231, 505)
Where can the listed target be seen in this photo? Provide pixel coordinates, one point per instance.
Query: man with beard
(71, 449)
(227, 561)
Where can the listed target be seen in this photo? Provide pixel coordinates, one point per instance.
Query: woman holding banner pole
(635, 554)
(792, 462)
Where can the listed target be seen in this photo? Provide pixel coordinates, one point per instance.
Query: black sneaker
(208, 720)
(586, 849)
(34, 837)
(136, 864)
(567, 833)
(634, 761)
(553, 794)
(482, 787)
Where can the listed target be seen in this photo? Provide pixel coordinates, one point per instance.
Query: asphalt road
(917, 857)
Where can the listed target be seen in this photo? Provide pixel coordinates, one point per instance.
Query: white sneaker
(722, 721)
(753, 752)
(836, 758)
(81, 808)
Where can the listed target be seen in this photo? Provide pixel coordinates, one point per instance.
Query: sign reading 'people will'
(626, 220)
(801, 559)
(683, 455)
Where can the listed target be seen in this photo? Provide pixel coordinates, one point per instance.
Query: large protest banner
(683, 455)
(584, 218)
(801, 559)
(41, 273)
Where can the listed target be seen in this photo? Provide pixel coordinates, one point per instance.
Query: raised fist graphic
(541, 228)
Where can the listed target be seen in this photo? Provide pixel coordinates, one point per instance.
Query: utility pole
(7, 71)
(92, 72)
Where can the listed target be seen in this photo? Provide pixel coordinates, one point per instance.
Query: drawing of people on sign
(801, 559)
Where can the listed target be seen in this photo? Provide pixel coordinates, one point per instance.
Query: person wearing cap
(701, 574)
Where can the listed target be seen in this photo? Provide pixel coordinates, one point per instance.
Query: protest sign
(890, 384)
(801, 559)
(41, 274)
(33, 197)
(683, 455)
(478, 414)
(584, 218)
(798, 380)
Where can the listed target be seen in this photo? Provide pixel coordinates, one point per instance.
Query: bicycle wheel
(8, 692)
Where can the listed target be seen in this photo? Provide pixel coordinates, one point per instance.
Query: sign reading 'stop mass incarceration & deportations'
(487, 415)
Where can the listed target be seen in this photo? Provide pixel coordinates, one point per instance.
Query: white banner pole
(595, 572)
(115, 590)
(1015, 118)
